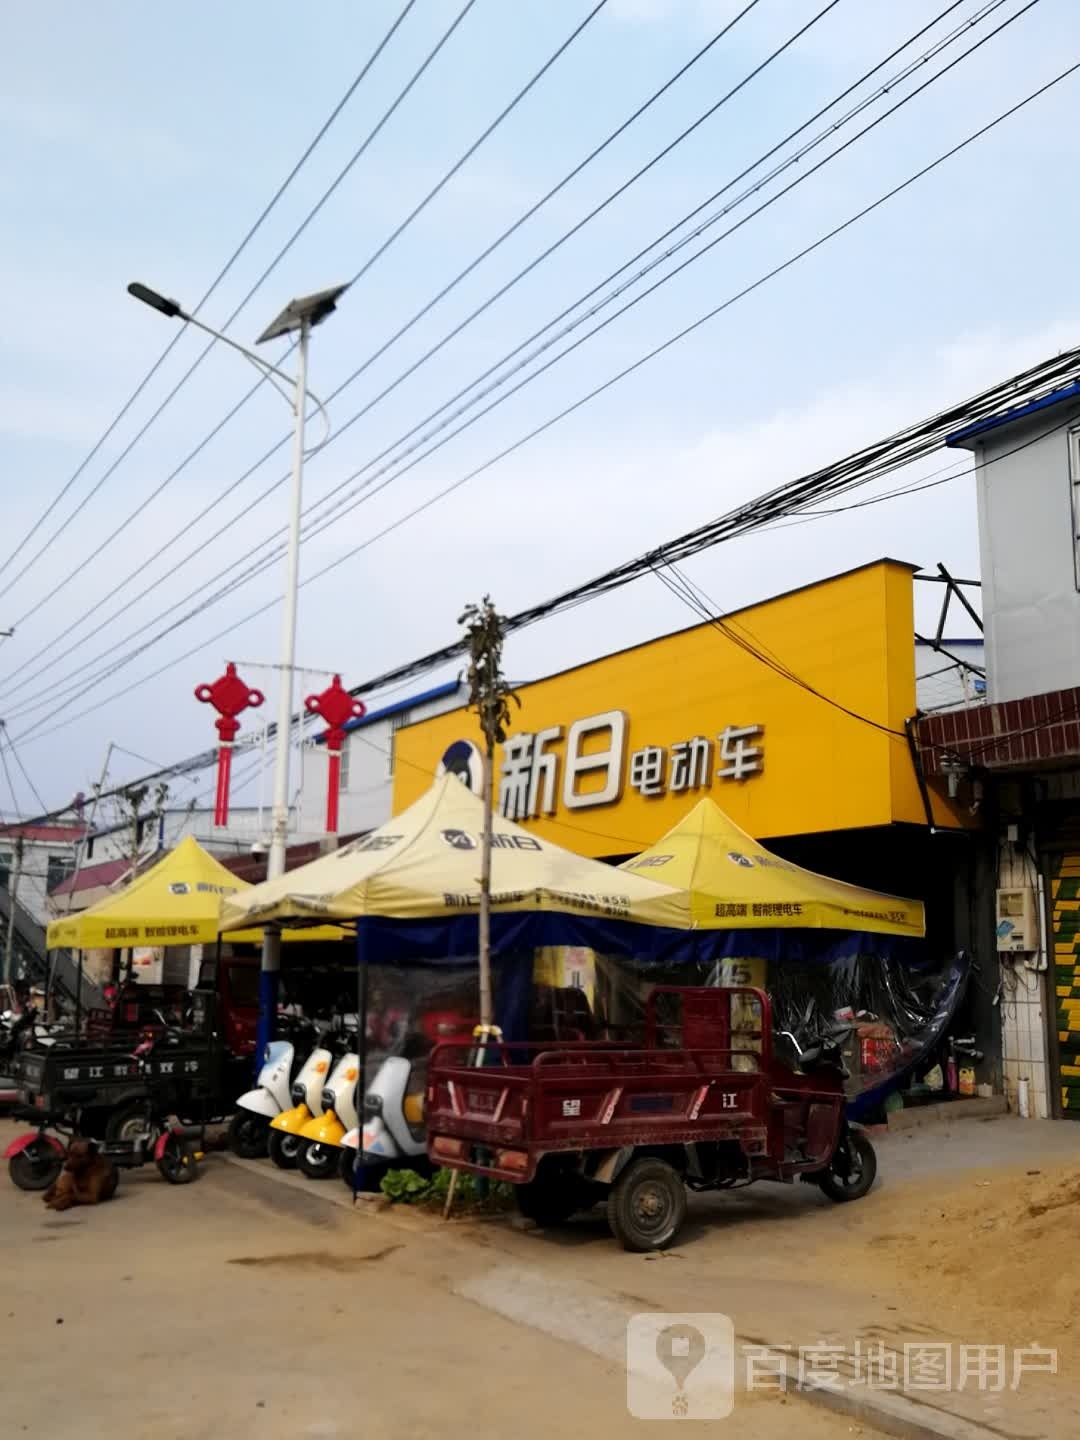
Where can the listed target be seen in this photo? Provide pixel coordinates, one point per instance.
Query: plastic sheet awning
(728, 881)
(176, 902)
(424, 864)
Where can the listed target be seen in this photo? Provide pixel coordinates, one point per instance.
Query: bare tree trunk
(487, 1008)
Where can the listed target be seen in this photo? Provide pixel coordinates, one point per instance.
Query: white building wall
(367, 767)
(1024, 1042)
(1031, 600)
(32, 893)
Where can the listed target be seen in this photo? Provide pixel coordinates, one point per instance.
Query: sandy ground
(190, 1311)
(234, 1303)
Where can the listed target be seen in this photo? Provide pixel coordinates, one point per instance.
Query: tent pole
(78, 996)
(361, 1051)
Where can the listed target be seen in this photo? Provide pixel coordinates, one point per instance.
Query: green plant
(404, 1186)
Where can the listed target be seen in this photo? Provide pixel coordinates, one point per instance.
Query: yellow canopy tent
(425, 864)
(727, 881)
(176, 902)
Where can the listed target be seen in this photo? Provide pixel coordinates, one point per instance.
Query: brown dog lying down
(86, 1179)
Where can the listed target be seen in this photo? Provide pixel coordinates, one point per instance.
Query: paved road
(237, 1304)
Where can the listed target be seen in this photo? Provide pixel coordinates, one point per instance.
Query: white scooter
(249, 1133)
(284, 1140)
(392, 1135)
(321, 1138)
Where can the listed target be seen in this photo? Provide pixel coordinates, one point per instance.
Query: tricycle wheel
(316, 1161)
(36, 1167)
(249, 1135)
(127, 1123)
(647, 1205)
(283, 1149)
(551, 1198)
(177, 1163)
(852, 1169)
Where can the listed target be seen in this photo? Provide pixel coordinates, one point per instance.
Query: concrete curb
(946, 1112)
(894, 1414)
(598, 1324)
(333, 1192)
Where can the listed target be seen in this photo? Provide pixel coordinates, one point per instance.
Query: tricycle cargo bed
(586, 1100)
(703, 1104)
(76, 1075)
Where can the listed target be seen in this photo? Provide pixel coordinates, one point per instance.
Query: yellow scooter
(321, 1138)
(285, 1140)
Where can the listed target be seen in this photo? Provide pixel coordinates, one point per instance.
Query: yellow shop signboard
(790, 714)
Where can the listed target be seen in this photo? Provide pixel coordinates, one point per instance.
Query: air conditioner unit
(1017, 920)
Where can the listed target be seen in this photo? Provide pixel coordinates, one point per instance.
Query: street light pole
(279, 814)
(299, 317)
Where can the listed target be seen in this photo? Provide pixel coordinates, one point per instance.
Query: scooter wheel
(249, 1135)
(372, 1173)
(317, 1162)
(177, 1164)
(283, 1149)
(36, 1167)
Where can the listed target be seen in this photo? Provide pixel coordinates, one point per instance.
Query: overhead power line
(222, 495)
(869, 462)
(222, 273)
(643, 360)
(66, 579)
(322, 521)
(860, 467)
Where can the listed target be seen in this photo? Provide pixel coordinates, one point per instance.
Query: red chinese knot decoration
(229, 695)
(337, 707)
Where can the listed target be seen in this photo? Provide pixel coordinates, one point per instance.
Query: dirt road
(236, 1305)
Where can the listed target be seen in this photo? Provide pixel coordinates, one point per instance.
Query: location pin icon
(680, 1349)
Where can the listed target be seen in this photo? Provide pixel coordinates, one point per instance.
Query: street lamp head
(154, 300)
(309, 310)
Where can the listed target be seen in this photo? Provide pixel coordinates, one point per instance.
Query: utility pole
(489, 696)
(298, 318)
(13, 895)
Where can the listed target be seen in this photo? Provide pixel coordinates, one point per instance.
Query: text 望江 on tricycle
(705, 1103)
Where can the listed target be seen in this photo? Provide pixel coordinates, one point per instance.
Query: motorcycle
(36, 1160)
(322, 1136)
(135, 1132)
(283, 1140)
(249, 1132)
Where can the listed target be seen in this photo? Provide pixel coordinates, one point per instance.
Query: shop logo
(459, 839)
(462, 758)
(180, 887)
(738, 859)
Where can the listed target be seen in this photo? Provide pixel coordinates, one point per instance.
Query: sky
(143, 144)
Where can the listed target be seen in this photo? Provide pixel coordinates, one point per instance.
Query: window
(346, 751)
(1074, 493)
(5, 868)
(396, 723)
(57, 868)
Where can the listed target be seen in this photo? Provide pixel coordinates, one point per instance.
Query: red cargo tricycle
(703, 1104)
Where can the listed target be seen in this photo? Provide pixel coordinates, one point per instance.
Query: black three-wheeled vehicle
(141, 1096)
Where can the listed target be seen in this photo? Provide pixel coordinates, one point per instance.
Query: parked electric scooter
(392, 1131)
(283, 1140)
(392, 1135)
(321, 1137)
(249, 1133)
